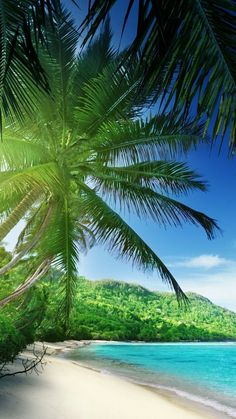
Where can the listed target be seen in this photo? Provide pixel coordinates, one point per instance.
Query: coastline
(68, 389)
(203, 403)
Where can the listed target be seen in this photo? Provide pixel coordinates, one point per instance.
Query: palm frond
(21, 74)
(168, 177)
(44, 177)
(120, 239)
(60, 244)
(108, 96)
(34, 219)
(145, 202)
(31, 243)
(97, 56)
(62, 48)
(189, 50)
(28, 283)
(24, 30)
(18, 154)
(85, 238)
(68, 257)
(128, 142)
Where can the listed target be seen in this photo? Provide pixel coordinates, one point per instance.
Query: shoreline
(170, 395)
(180, 398)
(66, 390)
(112, 396)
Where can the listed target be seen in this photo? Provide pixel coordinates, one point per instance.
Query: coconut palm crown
(87, 160)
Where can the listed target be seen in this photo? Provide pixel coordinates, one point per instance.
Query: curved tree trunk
(31, 244)
(40, 271)
(18, 213)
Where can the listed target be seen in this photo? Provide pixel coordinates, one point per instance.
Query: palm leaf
(28, 283)
(194, 45)
(108, 96)
(44, 177)
(120, 239)
(164, 176)
(61, 62)
(128, 142)
(145, 202)
(31, 243)
(24, 27)
(60, 244)
(16, 153)
(97, 56)
(21, 74)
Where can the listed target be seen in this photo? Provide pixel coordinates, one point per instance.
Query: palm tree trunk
(17, 214)
(40, 271)
(31, 244)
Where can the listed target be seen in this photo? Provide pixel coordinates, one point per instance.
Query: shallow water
(205, 373)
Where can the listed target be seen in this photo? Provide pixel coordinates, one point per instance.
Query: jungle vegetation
(107, 310)
(18, 321)
(112, 310)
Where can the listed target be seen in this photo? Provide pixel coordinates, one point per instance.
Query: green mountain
(120, 311)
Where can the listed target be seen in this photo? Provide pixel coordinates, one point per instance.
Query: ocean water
(202, 372)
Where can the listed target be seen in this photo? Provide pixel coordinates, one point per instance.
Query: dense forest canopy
(120, 311)
(111, 310)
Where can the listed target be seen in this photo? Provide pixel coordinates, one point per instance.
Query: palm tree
(189, 51)
(88, 159)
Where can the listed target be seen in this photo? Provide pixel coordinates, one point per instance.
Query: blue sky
(199, 265)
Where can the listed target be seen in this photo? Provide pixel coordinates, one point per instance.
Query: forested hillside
(121, 311)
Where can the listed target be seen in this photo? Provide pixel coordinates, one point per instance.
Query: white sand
(68, 391)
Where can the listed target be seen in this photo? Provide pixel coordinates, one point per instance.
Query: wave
(206, 402)
(214, 404)
(121, 343)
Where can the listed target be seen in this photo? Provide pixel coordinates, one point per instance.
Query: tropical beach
(117, 209)
(66, 389)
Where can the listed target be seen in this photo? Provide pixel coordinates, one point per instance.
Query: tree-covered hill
(121, 311)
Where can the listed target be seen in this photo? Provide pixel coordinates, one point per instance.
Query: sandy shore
(66, 390)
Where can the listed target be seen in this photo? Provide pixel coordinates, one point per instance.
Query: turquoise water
(205, 373)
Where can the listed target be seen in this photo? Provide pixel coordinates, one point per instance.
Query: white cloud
(219, 287)
(209, 275)
(202, 261)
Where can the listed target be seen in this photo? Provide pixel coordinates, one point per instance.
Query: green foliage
(18, 325)
(112, 310)
(189, 52)
(23, 27)
(11, 341)
(5, 256)
(18, 322)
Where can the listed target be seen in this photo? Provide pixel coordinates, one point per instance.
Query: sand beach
(67, 390)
